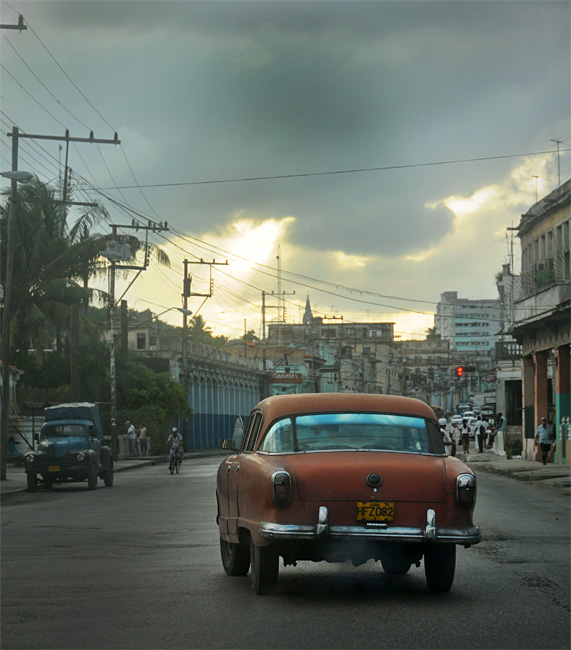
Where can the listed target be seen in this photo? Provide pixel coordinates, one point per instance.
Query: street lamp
(15, 176)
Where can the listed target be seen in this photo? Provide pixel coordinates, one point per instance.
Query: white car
(456, 419)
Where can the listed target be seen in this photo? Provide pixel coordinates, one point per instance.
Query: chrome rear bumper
(377, 531)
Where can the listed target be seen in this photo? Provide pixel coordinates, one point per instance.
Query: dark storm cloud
(230, 90)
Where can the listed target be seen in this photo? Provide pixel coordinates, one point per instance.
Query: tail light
(465, 489)
(281, 488)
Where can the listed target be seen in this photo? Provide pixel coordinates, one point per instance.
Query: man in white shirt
(132, 434)
(480, 432)
(175, 443)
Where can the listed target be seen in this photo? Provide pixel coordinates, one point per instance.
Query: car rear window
(354, 431)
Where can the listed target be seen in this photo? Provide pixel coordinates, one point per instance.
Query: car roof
(282, 405)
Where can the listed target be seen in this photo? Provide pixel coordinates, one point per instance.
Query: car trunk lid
(343, 476)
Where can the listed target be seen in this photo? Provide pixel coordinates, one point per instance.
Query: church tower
(307, 316)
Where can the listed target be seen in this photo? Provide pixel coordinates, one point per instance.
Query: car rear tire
(264, 569)
(48, 482)
(439, 566)
(31, 482)
(235, 558)
(92, 476)
(395, 566)
(108, 475)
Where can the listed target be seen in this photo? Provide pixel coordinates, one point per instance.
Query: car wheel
(108, 475)
(31, 481)
(264, 569)
(48, 482)
(439, 566)
(92, 476)
(235, 558)
(395, 566)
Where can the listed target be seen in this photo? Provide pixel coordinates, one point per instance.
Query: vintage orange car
(344, 476)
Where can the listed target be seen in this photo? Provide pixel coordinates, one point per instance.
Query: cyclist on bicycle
(175, 443)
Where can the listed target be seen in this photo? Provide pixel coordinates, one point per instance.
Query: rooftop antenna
(558, 142)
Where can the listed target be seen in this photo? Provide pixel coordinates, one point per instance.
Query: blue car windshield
(364, 431)
(63, 430)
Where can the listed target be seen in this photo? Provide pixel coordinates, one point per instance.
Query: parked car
(70, 448)
(456, 419)
(488, 413)
(336, 477)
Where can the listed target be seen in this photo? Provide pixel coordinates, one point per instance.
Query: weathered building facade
(542, 318)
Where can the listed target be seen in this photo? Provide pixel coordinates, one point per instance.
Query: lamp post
(15, 176)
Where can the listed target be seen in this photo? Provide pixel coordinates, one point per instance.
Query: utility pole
(115, 253)
(20, 26)
(186, 294)
(186, 282)
(6, 316)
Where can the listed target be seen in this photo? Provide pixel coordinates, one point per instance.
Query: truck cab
(70, 448)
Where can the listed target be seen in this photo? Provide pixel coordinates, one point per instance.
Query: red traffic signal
(459, 371)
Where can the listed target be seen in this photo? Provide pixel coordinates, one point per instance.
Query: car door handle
(237, 467)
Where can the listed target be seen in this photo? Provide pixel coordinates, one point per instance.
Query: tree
(48, 263)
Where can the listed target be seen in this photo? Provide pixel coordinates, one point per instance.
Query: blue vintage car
(70, 448)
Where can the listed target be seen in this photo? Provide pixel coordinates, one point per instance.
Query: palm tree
(48, 263)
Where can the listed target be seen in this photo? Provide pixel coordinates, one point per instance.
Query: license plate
(53, 468)
(375, 511)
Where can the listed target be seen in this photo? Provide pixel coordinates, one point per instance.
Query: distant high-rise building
(469, 325)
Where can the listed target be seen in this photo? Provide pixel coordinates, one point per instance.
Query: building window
(141, 340)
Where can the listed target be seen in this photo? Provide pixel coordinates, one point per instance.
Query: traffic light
(459, 371)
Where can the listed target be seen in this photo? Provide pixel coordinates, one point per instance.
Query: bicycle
(175, 463)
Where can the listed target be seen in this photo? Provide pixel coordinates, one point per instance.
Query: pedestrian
(143, 439)
(132, 434)
(544, 437)
(445, 438)
(15, 454)
(480, 432)
(501, 425)
(465, 433)
(451, 435)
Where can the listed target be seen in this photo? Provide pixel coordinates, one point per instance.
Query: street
(137, 566)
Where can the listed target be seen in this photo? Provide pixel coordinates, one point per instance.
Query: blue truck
(70, 448)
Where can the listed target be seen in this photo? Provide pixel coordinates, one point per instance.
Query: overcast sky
(398, 130)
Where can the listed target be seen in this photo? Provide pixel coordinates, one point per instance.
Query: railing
(548, 272)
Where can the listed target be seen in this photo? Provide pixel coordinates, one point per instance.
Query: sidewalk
(16, 476)
(550, 475)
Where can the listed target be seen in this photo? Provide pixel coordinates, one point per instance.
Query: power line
(336, 172)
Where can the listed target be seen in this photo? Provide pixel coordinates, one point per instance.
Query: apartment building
(542, 317)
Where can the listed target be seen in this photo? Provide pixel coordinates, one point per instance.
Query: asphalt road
(137, 566)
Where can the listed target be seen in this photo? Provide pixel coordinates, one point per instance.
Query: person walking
(445, 438)
(465, 433)
(544, 437)
(480, 433)
(143, 439)
(132, 434)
